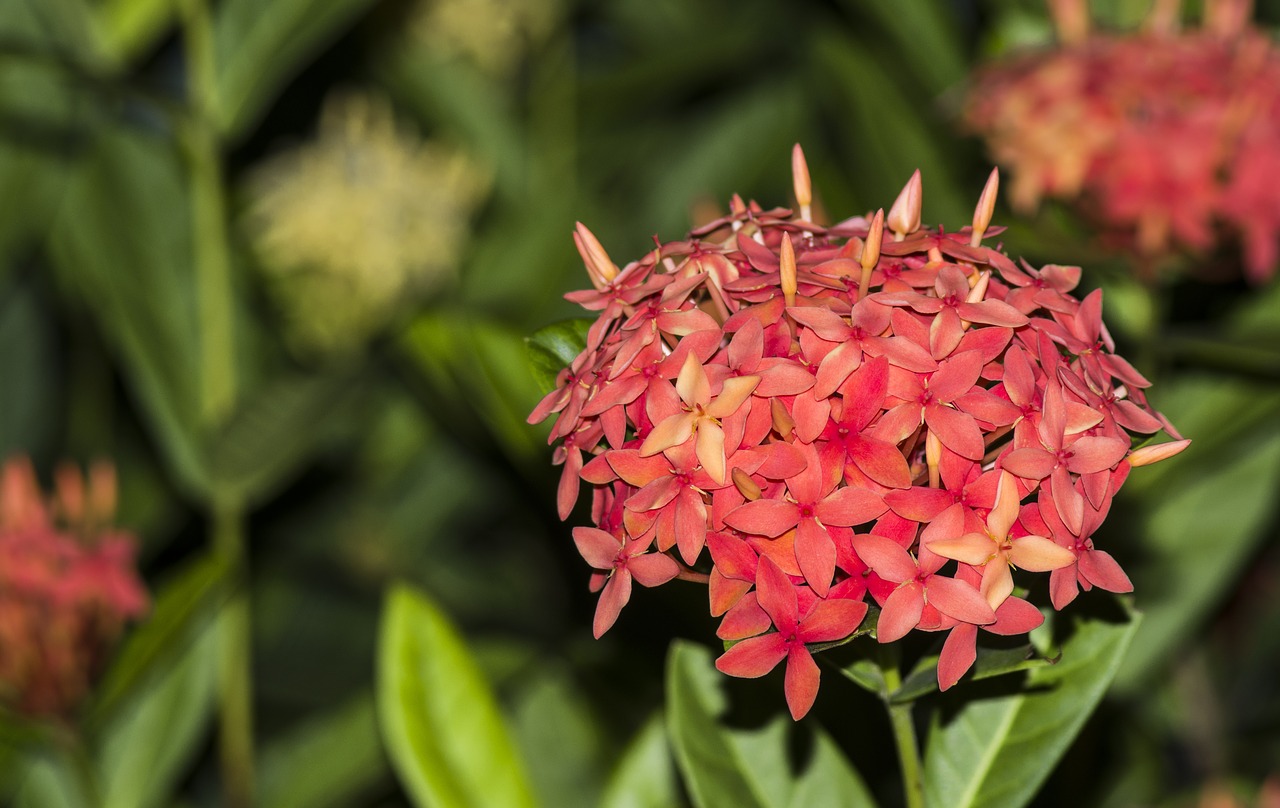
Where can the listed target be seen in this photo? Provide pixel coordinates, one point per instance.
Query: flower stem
(904, 734)
(235, 680)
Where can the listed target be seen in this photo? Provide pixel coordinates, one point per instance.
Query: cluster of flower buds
(1159, 135)
(871, 408)
(67, 585)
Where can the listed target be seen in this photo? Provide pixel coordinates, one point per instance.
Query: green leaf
(990, 662)
(559, 737)
(260, 45)
(645, 777)
(440, 723)
(275, 431)
(53, 778)
(130, 27)
(150, 739)
(27, 401)
(189, 597)
(745, 768)
(123, 243)
(1201, 518)
(328, 762)
(553, 348)
(998, 751)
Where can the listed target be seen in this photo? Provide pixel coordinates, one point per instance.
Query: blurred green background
(277, 259)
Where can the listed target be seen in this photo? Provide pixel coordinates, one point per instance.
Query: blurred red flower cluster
(1161, 135)
(871, 408)
(67, 585)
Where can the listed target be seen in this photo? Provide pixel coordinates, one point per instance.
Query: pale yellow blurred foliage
(492, 34)
(352, 224)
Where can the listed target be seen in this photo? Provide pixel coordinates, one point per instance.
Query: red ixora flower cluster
(1161, 135)
(67, 585)
(868, 408)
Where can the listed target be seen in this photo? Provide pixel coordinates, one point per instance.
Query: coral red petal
(801, 682)
(958, 654)
(754, 657)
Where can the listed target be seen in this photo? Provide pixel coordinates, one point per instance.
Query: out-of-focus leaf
(925, 26)
(741, 768)
(27, 367)
(990, 662)
(553, 348)
(260, 44)
(179, 606)
(49, 780)
(998, 751)
(891, 133)
(151, 737)
(326, 763)
(122, 242)
(484, 367)
(560, 739)
(1202, 517)
(645, 777)
(274, 431)
(130, 27)
(445, 736)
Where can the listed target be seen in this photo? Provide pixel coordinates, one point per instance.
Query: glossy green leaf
(553, 348)
(188, 598)
(998, 751)
(328, 762)
(123, 243)
(146, 745)
(990, 662)
(746, 768)
(261, 44)
(445, 736)
(645, 777)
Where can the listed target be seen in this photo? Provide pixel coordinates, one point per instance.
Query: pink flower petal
(958, 654)
(801, 681)
(754, 657)
(764, 517)
(959, 600)
(901, 613)
(652, 569)
(617, 591)
(889, 560)
(597, 548)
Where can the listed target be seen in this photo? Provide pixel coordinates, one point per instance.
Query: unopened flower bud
(904, 216)
(986, 207)
(787, 268)
(1156, 452)
(800, 179)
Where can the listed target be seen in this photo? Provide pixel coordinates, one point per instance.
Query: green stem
(904, 735)
(235, 675)
(216, 319)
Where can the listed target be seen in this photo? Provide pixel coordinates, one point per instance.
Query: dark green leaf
(275, 430)
(560, 739)
(990, 662)
(26, 358)
(554, 347)
(646, 776)
(181, 604)
(998, 751)
(151, 737)
(123, 243)
(746, 768)
(328, 762)
(261, 44)
(441, 725)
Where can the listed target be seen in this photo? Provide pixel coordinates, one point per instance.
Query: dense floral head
(1163, 136)
(350, 225)
(67, 585)
(818, 417)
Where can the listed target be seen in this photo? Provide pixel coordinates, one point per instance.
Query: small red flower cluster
(1160, 135)
(67, 585)
(872, 407)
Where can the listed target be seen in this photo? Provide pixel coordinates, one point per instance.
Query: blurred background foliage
(277, 259)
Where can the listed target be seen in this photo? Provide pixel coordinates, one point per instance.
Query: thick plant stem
(216, 320)
(235, 680)
(904, 737)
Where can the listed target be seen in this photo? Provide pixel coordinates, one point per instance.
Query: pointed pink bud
(904, 216)
(1156, 452)
(986, 207)
(601, 269)
(1071, 20)
(800, 179)
(787, 269)
(875, 234)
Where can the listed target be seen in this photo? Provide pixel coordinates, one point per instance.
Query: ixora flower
(1162, 136)
(348, 226)
(67, 585)
(871, 409)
